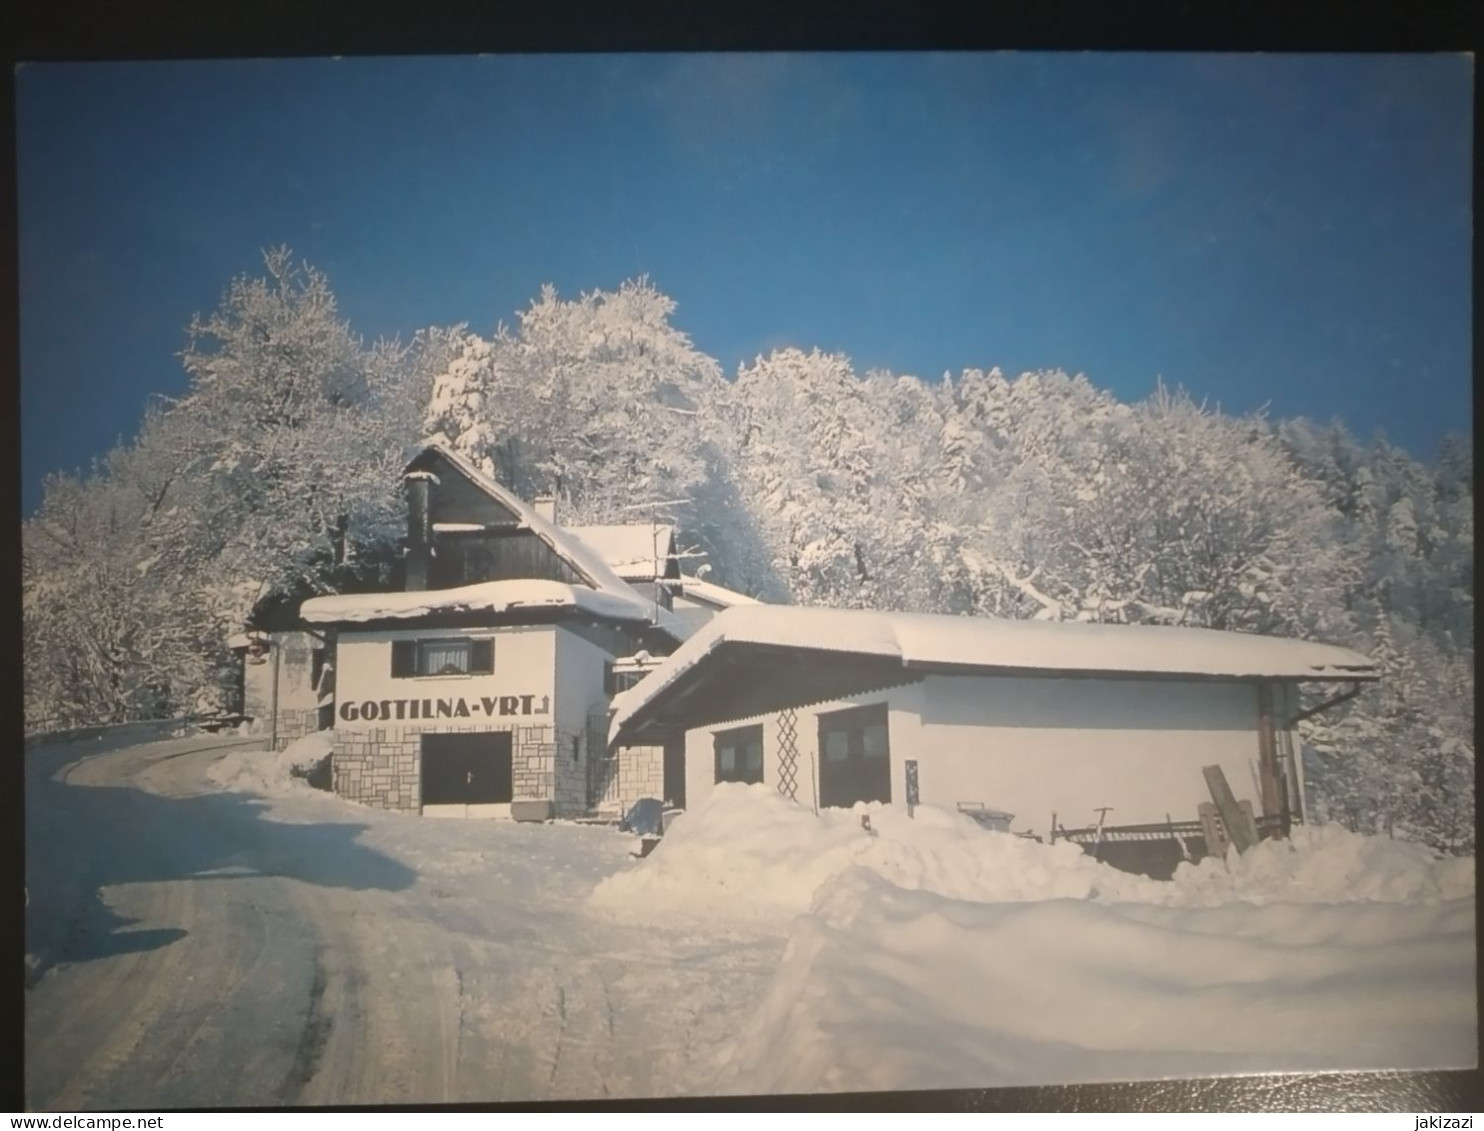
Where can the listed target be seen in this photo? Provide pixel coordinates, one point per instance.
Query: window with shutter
(404, 659)
(482, 657)
(442, 657)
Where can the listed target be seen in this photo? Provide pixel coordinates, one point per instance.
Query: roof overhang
(741, 680)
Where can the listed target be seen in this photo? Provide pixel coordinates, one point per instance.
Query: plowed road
(193, 945)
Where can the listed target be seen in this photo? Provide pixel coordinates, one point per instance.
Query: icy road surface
(191, 945)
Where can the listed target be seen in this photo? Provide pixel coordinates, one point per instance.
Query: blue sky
(1290, 231)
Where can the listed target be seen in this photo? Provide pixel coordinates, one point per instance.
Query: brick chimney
(545, 506)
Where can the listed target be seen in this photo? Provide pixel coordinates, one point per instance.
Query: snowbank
(1327, 864)
(268, 773)
(933, 954)
(748, 852)
(884, 988)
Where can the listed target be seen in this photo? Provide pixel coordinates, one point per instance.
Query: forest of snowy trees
(797, 478)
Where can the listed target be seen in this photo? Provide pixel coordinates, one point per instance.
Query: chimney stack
(419, 530)
(545, 506)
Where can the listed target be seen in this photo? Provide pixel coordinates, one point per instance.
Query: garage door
(466, 769)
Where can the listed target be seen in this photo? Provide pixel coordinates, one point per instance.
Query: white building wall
(579, 682)
(1034, 746)
(1037, 746)
(378, 759)
(525, 666)
(579, 695)
(640, 769)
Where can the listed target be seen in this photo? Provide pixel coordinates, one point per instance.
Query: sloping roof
(713, 594)
(486, 597)
(588, 563)
(755, 659)
(636, 552)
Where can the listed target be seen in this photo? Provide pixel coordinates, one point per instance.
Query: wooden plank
(1267, 753)
(1213, 830)
(1248, 821)
(1291, 755)
(1239, 829)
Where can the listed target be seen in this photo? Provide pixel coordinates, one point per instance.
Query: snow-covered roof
(492, 597)
(713, 594)
(636, 552)
(911, 643)
(586, 561)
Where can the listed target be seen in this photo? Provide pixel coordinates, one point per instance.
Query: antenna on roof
(657, 572)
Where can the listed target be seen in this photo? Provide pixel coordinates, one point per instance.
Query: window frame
(737, 740)
(617, 681)
(408, 656)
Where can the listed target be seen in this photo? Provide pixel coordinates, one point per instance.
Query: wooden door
(854, 756)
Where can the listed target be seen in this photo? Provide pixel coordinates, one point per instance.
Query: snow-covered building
(532, 670)
(483, 687)
(1021, 718)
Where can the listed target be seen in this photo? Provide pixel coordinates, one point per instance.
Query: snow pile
(885, 988)
(748, 852)
(270, 774)
(1326, 864)
(929, 953)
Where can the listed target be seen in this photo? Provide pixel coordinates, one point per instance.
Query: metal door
(466, 769)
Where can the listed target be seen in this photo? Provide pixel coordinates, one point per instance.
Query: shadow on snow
(81, 839)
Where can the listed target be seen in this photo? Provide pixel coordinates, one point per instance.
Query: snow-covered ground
(928, 953)
(256, 938)
(206, 931)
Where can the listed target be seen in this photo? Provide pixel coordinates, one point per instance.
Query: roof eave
(942, 667)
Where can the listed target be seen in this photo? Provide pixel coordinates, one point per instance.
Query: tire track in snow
(313, 1037)
(561, 1033)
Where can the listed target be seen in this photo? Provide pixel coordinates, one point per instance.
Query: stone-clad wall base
(571, 774)
(370, 769)
(294, 725)
(380, 766)
(641, 773)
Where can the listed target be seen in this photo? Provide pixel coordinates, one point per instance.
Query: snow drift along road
(933, 954)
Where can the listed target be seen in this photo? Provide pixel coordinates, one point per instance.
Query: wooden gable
(491, 544)
(457, 499)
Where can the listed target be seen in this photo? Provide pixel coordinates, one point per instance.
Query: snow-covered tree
(275, 470)
(1034, 496)
(599, 400)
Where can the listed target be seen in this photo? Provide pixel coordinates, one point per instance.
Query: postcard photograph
(629, 576)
